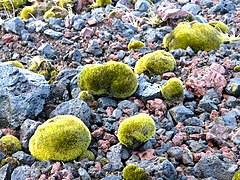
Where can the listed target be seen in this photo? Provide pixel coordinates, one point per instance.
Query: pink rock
(7, 38)
(92, 21)
(103, 144)
(68, 34)
(111, 138)
(147, 155)
(109, 110)
(179, 138)
(87, 32)
(168, 75)
(214, 114)
(98, 133)
(156, 107)
(56, 167)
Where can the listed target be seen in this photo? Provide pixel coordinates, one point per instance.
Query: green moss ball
(155, 63)
(114, 79)
(11, 4)
(133, 172)
(136, 130)
(172, 89)
(236, 175)
(86, 96)
(220, 26)
(9, 144)
(198, 36)
(135, 45)
(61, 138)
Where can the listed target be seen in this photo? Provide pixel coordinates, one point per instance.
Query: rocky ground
(197, 138)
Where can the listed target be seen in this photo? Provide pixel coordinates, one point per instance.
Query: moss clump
(61, 138)
(220, 26)
(62, 3)
(155, 63)
(101, 3)
(27, 11)
(236, 68)
(114, 79)
(17, 64)
(87, 155)
(136, 130)
(236, 175)
(55, 12)
(87, 97)
(172, 89)
(9, 144)
(12, 161)
(11, 4)
(133, 172)
(135, 45)
(197, 35)
(44, 67)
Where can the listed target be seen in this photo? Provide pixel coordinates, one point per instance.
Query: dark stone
(233, 87)
(192, 129)
(14, 25)
(180, 113)
(5, 172)
(46, 51)
(104, 102)
(128, 105)
(53, 34)
(25, 172)
(114, 156)
(207, 105)
(94, 48)
(24, 158)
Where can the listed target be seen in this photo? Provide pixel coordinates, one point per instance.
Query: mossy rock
(101, 3)
(134, 172)
(27, 11)
(155, 63)
(9, 144)
(135, 45)
(10, 160)
(11, 4)
(172, 89)
(136, 130)
(114, 79)
(62, 138)
(197, 35)
(55, 12)
(220, 26)
(236, 175)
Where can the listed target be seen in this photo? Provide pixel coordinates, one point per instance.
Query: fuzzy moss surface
(86, 96)
(198, 36)
(62, 3)
(17, 64)
(172, 89)
(61, 138)
(9, 144)
(135, 45)
(101, 3)
(136, 130)
(236, 175)
(155, 63)
(220, 26)
(27, 11)
(114, 79)
(55, 12)
(134, 172)
(11, 4)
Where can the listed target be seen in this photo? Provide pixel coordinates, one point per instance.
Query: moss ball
(198, 36)
(86, 96)
(236, 175)
(11, 4)
(172, 89)
(10, 160)
(27, 11)
(155, 63)
(220, 26)
(62, 138)
(9, 144)
(114, 79)
(135, 45)
(136, 130)
(133, 172)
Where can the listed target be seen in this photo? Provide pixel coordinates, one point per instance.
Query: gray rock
(232, 102)
(196, 146)
(207, 3)
(22, 95)
(27, 129)
(46, 51)
(14, 25)
(126, 104)
(75, 55)
(83, 174)
(78, 24)
(94, 48)
(40, 26)
(25, 172)
(114, 156)
(230, 118)
(212, 166)
(24, 158)
(201, 19)
(76, 107)
(43, 166)
(190, 51)
(112, 177)
(233, 87)
(104, 102)
(53, 34)
(25, 35)
(180, 113)
(192, 8)
(142, 5)
(117, 113)
(56, 23)
(2, 156)
(121, 54)
(193, 121)
(5, 172)
(183, 1)
(192, 129)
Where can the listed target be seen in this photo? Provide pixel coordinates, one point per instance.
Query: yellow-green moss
(136, 130)
(27, 11)
(9, 144)
(155, 63)
(134, 172)
(86, 96)
(62, 3)
(220, 26)
(11, 4)
(61, 138)
(135, 45)
(114, 79)
(172, 89)
(87, 154)
(55, 12)
(197, 35)
(236, 68)
(236, 175)
(101, 3)
(44, 67)
(17, 64)
(10, 160)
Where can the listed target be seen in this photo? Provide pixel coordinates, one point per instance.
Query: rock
(212, 166)
(233, 87)
(192, 129)
(180, 113)
(46, 51)
(27, 129)
(236, 137)
(193, 121)
(201, 19)
(53, 34)
(25, 172)
(83, 174)
(192, 8)
(117, 113)
(22, 95)
(78, 24)
(5, 172)
(112, 177)
(14, 25)
(230, 118)
(142, 5)
(208, 3)
(75, 55)
(24, 158)
(94, 48)
(183, 1)
(75, 107)
(2, 156)
(197, 147)
(104, 102)
(128, 107)
(44, 166)
(88, 32)
(114, 156)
